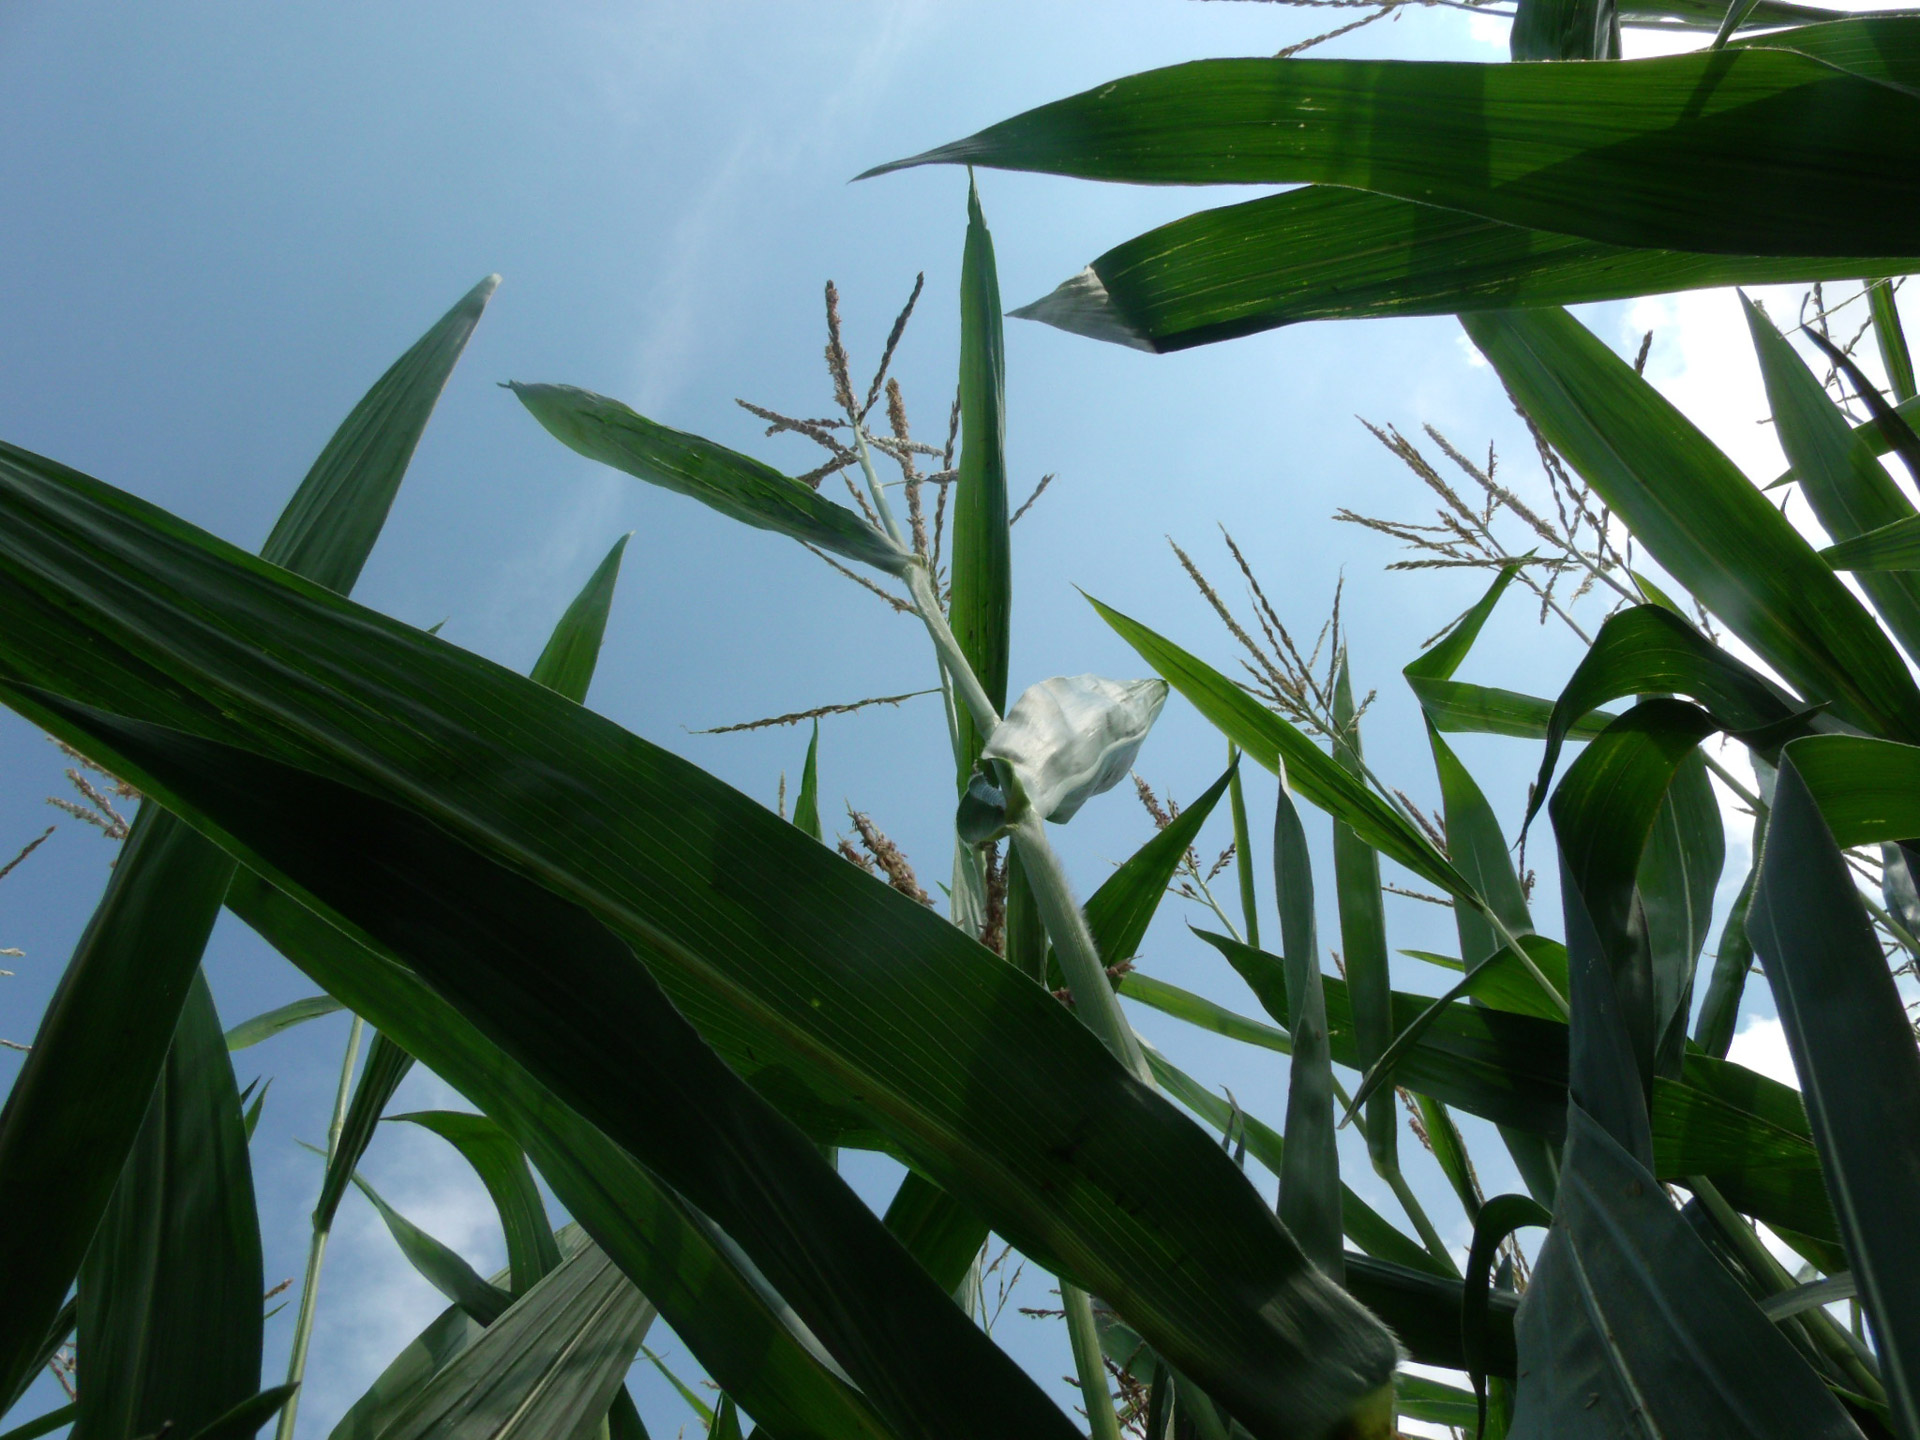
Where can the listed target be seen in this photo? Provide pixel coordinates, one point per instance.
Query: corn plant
(675, 1005)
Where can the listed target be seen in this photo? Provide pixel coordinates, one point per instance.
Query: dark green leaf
(1271, 741)
(982, 604)
(502, 1167)
(328, 528)
(1498, 1219)
(1895, 546)
(1720, 1009)
(1849, 491)
(547, 1366)
(1310, 1170)
(726, 1421)
(451, 1332)
(1700, 152)
(1631, 1325)
(1679, 872)
(1243, 849)
(169, 1315)
(265, 1026)
(83, 1090)
(642, 837)
(1324, 253)
(1853, 1049)
(1868, 790)
(1119, 912)
(734, 484)
(1649, 650)
(806, 804)
(1697, 514)
(244, 1420)
(938, 1231)
(44, 1424)
(439, 1265)
(742, 1332)
(85, 1085)
(566, 664)
(1892, 340)
(386, 1066)
(1363, 1225)
(1363, 935)
(1424, 1311)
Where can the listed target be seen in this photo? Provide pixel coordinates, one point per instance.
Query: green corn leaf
(1363, 1225)
(1504, 984)
(1508, 1068)
(244, 1420)
(1310, 1170)
(785, 939)
(169, 1292)
(502, 1167)
(1272, 742)
(1564, 30)
(806, 804)
(1850, 493)
(57, 1335)
(1243, 864)
(83, 1090)
(1892, 340)
(44, 1424)
(451, 1332)
(686, 1392)
(982, 605)
(1879, 47)
(1449, 1152)
(1630, 1322)
(1119, 912)
(1697, 152)
(743, 1334)
(270, 1023)
(386, 1066)
(547, 1366)
(567, 662)
(1326, 253)
(1853, 1049)
(1363, 936)
(1604, 812)
(736, 485)
(84, 1087)
(1424, 1311)
(328, 528)
(1479, 850)
(726, 1421)
(1203, 1013)
(1418, 1398)
(1649, 650)
(1894, 546)
(1865, 788)
(1679, 872)
(1456, 707)
(938, 1230)
(1497, 1219)
(438, 1264)
(1733, 958)
(1698, 516)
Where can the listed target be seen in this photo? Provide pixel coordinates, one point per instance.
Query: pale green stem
(1819, 1326)
(966, 685)
(1092, 1371)
(874, 487)
(1214, 905)
(1086, 974)
(317, 1248)
(1410, 1203)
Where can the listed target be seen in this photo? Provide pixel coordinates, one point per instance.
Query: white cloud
(1761, 1045)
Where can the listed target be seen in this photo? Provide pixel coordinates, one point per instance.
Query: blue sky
(225, 221)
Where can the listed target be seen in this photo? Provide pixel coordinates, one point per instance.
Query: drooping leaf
(1498, 1219)
(567, 662)
(282, 1017)
(549, 1364)
(438, 1263)
(1310, 1170)
(1853, 1050)
(450, 1332)
(736, 485)
(1632, 1325)
(169, 1313)
(712, 945)
(938, 1230)
(1698, 516)
(502, 1167)
(982, 604)
(386, 1066)
(1698, 152)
